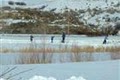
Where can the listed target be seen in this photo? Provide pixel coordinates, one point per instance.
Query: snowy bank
(52, 78)
(102, 70)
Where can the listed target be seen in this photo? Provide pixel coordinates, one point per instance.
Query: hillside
(90, 17)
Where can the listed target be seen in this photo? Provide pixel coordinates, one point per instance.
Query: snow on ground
(2, 79)
(103, 70)
(61, 5)
(92, 20)
(75, 4)
(71, 4)
(52, 78)
(41, 78)
(9, 21)
(76, 78)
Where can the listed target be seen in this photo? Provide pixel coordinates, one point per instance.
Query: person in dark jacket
(63, 37)
(31, 38)
(52, 38)
(105, 39)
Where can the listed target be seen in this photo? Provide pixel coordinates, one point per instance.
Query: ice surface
(22, 40)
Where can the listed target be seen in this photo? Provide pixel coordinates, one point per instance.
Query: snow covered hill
(72, 4)
(62, 5)
(96, 14)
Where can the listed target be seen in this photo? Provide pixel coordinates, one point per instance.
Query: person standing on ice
(31, 38)
(52, 38)
(105, 39)
(63, 37)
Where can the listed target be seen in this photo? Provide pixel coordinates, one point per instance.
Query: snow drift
(52, 78)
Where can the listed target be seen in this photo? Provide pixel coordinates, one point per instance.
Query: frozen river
(16, 41)
(103, 68)
(21, 41)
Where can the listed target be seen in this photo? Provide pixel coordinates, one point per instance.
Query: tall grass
(33, 58)
(33, 55)
(77, 54)
(73, 49)
(6, 50)
(92, 49)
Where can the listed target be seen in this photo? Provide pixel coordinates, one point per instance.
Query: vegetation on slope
(38, 21)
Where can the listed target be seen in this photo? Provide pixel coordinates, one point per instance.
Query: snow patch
(76, 78)
(42, 78)
(52, 78)
(2, 79)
